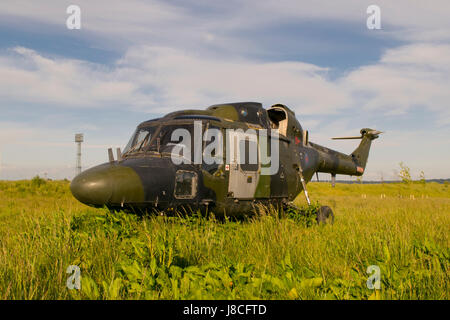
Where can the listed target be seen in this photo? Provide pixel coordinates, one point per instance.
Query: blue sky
(135, 60)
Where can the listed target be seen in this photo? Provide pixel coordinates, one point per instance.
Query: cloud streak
(159, 79)
(186, 21)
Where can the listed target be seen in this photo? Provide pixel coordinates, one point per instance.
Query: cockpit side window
(185, 184)
(167, 144)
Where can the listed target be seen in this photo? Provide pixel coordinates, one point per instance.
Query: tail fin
(361, 154)
(335, 162)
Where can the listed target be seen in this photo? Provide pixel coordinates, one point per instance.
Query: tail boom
(334, 162)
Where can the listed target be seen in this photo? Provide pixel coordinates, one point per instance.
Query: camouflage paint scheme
(145, 180)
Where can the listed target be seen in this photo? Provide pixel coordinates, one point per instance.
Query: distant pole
(78, 139)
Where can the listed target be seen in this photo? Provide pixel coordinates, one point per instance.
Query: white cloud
(159, 80)
(32, 78)
(406, 77)
(154, 78)
(185, 80)
(185, 21)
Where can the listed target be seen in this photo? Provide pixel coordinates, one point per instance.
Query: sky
(136, 60)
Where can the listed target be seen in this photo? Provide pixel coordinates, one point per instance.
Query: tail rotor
(372, 134)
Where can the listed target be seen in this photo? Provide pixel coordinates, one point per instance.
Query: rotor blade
(364, 132)
(346, 138)
(376, 132)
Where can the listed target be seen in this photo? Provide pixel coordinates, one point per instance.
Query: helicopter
(226, 159)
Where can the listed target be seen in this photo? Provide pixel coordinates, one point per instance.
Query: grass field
(43, 230)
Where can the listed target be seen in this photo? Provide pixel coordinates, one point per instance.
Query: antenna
(79, 138)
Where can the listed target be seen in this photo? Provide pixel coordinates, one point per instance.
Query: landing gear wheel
(325, 215)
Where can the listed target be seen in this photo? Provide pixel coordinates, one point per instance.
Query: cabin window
(212, 148)
(248, 155)
(185, 184)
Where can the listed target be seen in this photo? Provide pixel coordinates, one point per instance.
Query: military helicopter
(158, 171)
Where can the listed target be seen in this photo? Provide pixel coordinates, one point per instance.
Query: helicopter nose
(92, 188)
(109, 185)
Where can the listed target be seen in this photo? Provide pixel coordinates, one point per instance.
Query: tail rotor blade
(346, 138)
(364, 132)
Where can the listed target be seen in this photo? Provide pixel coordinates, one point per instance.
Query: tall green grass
(43, 230)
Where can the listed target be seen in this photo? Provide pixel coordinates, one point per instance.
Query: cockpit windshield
(139, 140)
(156, 138)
